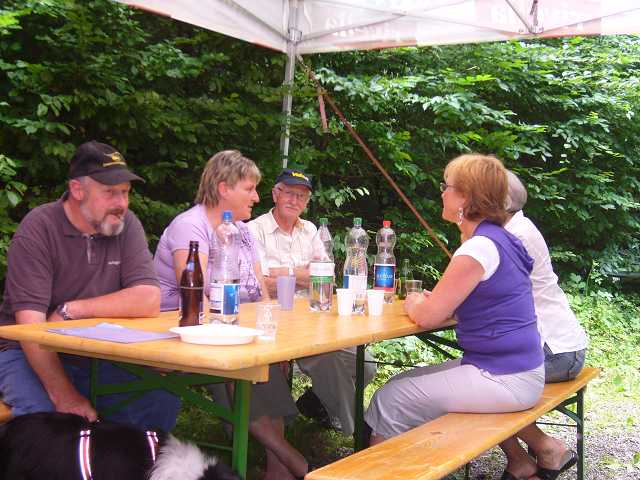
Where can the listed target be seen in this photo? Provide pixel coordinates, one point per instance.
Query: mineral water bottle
(321, 269)
(355, 265)
(384, 267)
(224, 292)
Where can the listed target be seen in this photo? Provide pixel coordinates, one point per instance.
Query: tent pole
(289, 73)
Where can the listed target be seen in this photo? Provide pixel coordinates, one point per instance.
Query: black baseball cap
(101, 162)
(291, 176)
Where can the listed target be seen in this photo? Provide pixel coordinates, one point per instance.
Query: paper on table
(111, 332)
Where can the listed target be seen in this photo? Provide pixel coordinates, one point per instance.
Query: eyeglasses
(300, 197)
(444, 186)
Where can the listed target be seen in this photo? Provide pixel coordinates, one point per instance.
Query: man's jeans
(560, 367)
(20, 388)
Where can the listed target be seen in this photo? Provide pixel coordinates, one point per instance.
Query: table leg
(93, 386)
(240, 419)
(359, 400)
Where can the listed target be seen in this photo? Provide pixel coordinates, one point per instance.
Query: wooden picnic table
(300, 333)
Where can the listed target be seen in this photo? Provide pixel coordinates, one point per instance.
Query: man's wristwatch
(63, 311)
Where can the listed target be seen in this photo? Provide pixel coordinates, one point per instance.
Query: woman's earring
(460, 216)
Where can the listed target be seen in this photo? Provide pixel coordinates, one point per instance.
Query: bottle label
(190, 306)
(384, 277)
(321, 269)
(320, 280)
(224, 298)
(357, 283)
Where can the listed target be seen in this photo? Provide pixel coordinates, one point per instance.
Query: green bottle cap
(324, 221)
(357, 222)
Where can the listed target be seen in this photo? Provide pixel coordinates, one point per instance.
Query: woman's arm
(180, 260)
(263, 286)
(459, 279)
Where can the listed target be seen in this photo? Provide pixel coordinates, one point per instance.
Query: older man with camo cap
(284, 242)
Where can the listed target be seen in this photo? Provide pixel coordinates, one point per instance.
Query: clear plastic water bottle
(355, 265)
(321, 269)
(224, 291)
(384, 267)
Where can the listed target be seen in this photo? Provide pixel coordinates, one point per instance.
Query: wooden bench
(5, 412)
(435, 449)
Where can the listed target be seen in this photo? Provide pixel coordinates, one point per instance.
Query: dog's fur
(45, 446)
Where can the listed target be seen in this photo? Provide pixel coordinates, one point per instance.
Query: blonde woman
(229, 182)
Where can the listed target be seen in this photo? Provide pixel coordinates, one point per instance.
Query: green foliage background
(561, 113)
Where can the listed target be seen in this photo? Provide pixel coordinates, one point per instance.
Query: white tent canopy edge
(316, 26)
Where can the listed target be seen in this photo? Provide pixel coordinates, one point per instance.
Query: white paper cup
(375, 301)
(267, 321)
(345, 301)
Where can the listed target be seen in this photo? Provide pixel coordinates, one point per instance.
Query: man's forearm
(302, 277)
(271, 285)
(138, 301)
(50, 371)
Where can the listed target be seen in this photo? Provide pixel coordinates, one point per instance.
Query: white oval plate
(216, 334)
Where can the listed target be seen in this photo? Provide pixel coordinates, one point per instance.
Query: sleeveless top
(497, 322)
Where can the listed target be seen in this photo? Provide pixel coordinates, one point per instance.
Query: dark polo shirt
(50, 262)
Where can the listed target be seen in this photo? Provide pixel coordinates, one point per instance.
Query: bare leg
(376, 439)
(270, 433)
(275, 469)
(550, 453)
(519, 463)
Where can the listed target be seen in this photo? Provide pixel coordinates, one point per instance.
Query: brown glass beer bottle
(191, 289)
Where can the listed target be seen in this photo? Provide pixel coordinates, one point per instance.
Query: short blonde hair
(483, 180)
(228, 166)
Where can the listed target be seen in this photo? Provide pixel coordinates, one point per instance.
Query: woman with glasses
(229, 182)
(486, 286)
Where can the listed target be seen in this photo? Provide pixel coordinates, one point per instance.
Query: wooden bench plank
(5, 412)
(437, 448)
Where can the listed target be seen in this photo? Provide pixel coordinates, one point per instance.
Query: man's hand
(74, 402)
(275, 272)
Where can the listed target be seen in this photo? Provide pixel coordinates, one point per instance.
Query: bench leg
(358, 438)
(578, 418)
(580, 432)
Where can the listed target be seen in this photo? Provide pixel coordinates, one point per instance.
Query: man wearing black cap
(84, 255)
(284, 241)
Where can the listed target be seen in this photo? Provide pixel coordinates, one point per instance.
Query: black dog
(61, 446)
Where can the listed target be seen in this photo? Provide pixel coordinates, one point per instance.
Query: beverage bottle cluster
(321, 269)
(224, 291)
(355, 264)
(191, 289)
(384, 267)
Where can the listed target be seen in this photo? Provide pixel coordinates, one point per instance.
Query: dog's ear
(219, 471)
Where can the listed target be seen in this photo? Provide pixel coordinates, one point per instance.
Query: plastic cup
(345, 301)
(267, 320)
(375, 301)
(286, 289)
(413, 286)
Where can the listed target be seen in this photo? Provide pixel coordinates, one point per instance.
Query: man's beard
(104, 227)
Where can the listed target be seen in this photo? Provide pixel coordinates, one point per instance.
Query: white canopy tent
(298, 27)
(314, 26)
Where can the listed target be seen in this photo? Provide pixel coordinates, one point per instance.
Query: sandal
(549, 474)
(508, 476)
